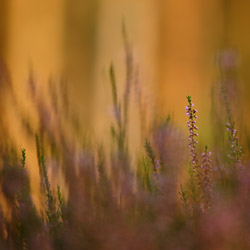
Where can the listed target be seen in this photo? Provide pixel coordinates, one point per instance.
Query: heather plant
(196, 171)
(191, 113)
(201, 173)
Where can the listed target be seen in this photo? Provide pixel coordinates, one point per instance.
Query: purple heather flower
(191, 127)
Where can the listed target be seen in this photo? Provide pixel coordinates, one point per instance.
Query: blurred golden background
(174, 45)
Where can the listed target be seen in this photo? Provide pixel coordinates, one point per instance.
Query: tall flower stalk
(202, 171)
(191, 113)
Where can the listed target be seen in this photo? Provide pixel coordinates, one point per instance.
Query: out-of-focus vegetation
(102, 155)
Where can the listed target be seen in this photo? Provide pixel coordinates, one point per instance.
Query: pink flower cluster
(191, 113)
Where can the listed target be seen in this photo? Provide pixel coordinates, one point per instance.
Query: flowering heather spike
(205, 179)
(192, 130)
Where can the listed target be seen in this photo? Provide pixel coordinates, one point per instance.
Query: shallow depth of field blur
(124, 124)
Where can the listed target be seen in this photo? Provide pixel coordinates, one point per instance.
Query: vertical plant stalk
(191, 113)
(195, 170)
